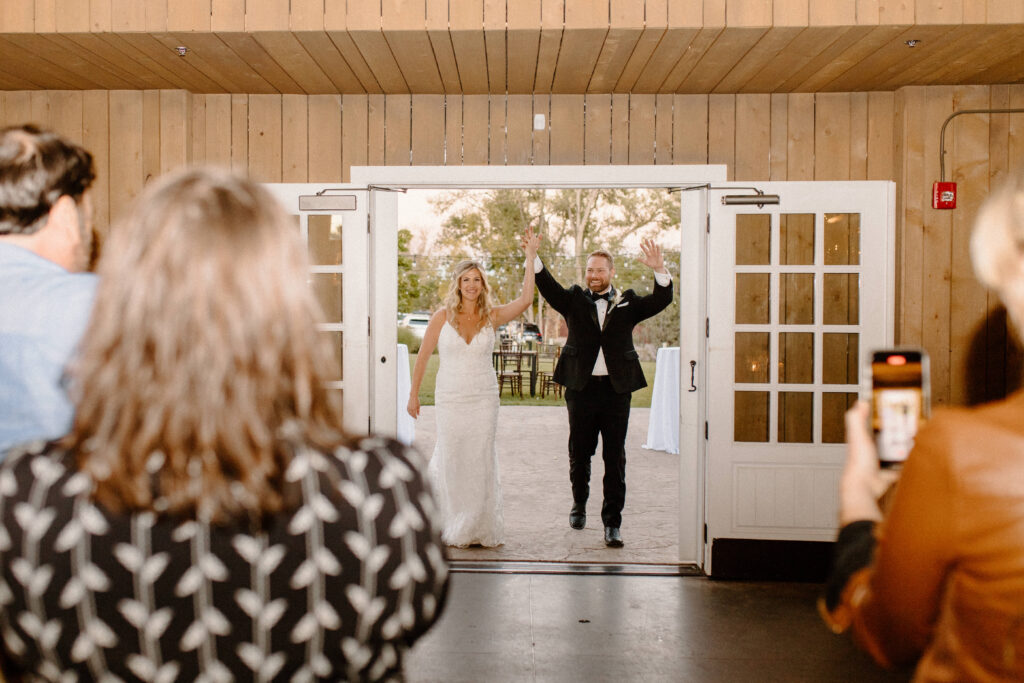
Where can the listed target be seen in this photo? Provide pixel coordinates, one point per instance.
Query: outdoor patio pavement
(534, 465)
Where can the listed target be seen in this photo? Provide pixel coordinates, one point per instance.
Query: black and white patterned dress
(335, 589)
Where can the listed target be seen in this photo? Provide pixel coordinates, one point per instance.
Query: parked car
(531, 332)
(417, 322)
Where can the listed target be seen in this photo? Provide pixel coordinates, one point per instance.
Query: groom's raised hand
(652, 256)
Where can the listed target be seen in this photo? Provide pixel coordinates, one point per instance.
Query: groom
(600, 369)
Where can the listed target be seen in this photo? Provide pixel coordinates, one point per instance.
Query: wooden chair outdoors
(510, 369)
(547, 356)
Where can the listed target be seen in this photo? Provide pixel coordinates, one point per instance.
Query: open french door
(335, 223)
(797, 294)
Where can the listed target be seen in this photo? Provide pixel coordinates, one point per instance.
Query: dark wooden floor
(530, 627)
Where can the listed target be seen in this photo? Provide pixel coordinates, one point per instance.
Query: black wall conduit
(942, 134)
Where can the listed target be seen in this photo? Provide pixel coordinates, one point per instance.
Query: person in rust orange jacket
(937, 581)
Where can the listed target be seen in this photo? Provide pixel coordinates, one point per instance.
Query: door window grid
(326, 278)
(761, 408)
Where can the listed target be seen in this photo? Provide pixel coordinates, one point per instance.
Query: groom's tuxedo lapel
(607, 315)
(592, 309)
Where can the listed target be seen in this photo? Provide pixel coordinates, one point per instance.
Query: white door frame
(693, 350)
(384, 254)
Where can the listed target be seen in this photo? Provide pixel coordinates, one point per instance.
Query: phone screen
(899, 400)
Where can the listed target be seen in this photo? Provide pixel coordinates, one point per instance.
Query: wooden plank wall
(136, 135)
(318, 138)
(941, 306)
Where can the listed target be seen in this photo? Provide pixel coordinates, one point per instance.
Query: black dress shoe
(578, 516)
(612, 539)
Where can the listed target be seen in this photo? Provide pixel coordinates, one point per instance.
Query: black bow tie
(607, 296)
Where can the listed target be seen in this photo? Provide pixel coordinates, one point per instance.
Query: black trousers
(598, 410)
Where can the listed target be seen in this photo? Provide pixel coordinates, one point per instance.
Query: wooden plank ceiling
(476, 58)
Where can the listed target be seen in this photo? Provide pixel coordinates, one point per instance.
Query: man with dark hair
(45, 297)
(600, 368)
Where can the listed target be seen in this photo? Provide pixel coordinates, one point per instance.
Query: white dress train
(464, 466)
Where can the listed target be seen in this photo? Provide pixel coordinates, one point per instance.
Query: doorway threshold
(620, 569)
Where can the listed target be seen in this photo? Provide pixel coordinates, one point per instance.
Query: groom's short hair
(605, 254)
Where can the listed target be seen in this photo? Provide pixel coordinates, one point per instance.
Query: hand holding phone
(899, 401)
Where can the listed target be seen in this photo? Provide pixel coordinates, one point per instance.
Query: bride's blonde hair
(453, 299)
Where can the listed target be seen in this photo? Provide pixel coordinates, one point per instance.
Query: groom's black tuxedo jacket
(576, 362)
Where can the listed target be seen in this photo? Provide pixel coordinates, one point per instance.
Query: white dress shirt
(600, 367)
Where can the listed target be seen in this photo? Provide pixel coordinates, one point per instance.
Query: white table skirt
(406, 431)
(663, 428)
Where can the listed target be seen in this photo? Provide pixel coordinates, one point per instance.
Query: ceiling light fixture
(912, 42)
(181, 50)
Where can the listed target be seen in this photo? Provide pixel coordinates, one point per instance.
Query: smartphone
(900, 401)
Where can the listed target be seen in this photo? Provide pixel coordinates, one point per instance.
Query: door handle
(693, 372)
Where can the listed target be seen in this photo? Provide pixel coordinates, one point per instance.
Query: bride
(464, 467)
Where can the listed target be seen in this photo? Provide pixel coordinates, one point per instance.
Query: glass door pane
(806, 286)
(324, 240)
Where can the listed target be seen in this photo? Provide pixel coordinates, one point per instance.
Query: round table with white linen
(663, 428)
(406, 428)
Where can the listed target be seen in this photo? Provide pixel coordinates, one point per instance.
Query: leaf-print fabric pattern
(334, 589)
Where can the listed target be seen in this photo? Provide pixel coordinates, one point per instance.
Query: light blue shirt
(43, 313)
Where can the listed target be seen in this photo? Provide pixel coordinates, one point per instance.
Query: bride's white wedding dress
(464, 467)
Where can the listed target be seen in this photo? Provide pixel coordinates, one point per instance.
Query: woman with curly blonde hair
(455, 304)
(208, 517)
(464, 467)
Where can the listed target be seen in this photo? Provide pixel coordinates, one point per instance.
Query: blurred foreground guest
(45, 241)
(207, 518)
(939, 579)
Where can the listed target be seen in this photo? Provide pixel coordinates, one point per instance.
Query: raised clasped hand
(531, 242)
(652, 256)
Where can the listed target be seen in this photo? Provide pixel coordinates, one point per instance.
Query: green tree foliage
(486, 225)
(581, 221)
(662, 329)
(419, 277)
(409, 288)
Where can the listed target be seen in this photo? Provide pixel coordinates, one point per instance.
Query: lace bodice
(466, 367)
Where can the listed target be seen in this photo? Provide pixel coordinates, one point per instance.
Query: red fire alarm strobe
(943, 195)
